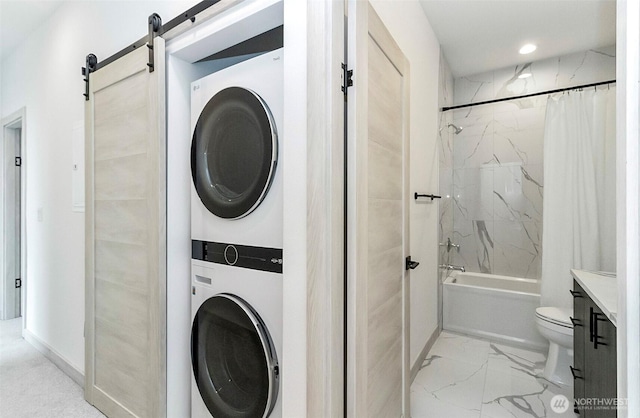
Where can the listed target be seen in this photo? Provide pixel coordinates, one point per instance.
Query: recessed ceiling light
(524, 75)
(527, 49)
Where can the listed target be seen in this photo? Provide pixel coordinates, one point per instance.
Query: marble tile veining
(475, 88)
(504, 357)
(471, 151)
(466, 349)
(574, 69)
(518, 248)
(470, 377)
(497, 185)
(476, 241)
(518, 192)
(520, 119)
(497, 160)
(525, 146)
(445, 162)
(473, 193)
(587, 66)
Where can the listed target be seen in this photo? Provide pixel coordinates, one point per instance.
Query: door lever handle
(410, 264)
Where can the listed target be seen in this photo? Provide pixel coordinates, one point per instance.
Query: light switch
(40, 215)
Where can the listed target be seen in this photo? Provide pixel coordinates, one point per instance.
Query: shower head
(457, 128)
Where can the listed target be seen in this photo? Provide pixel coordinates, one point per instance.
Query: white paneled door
(125, 304)
(378, 323)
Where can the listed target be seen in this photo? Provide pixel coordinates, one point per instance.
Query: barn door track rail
(155, 28)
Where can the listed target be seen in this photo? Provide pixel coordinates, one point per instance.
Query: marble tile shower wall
(497, 161)
(445, 150)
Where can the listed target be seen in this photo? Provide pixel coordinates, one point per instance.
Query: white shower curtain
(579, 228)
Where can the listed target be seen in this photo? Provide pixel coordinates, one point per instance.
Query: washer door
(234, 153)
(234, 359)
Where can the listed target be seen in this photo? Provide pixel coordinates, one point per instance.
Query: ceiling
(18, 18)
(476, 35)
(484, 35)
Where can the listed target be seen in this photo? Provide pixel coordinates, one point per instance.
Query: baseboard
(531, 345)
(423, 354)
(51, 354)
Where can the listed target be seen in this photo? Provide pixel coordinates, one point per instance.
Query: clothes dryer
(236, 341)
(236, 124)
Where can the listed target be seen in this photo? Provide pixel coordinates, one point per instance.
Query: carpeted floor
(31, 386)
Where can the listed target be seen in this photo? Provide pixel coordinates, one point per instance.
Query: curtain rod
(504, 99)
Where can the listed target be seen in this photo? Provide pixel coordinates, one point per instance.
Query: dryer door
(234, 359)
(234, 153)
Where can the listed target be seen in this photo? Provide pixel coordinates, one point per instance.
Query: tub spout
(452, 267)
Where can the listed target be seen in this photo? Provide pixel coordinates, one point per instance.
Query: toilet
(555, 325)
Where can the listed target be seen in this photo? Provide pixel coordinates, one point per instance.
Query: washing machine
(236, 230)
(236, 125)
(236, 341)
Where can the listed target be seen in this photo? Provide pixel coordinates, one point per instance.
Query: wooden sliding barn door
(378, 155)
(125, 306)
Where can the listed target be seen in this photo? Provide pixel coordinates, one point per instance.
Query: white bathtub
(495, 307)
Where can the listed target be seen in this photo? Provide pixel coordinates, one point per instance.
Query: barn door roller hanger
(155, 29)
(155, 24)
(91, 64)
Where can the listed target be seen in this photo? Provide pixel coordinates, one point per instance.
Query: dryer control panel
(255, 258)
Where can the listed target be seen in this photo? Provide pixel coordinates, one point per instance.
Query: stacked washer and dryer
(236, 231)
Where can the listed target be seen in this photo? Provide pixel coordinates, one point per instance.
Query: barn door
(378, 364)
(125, 306)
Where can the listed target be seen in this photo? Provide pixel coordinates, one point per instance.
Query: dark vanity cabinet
(594, 358)
(579, 331)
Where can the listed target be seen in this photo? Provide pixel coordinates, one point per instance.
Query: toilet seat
(557, 316)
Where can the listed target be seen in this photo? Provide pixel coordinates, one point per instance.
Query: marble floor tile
(470, 377)
(462, 348)
(449, 388)
(506, 358)
(439, 410)
(517, 393)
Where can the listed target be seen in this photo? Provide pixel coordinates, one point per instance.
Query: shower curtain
(579, 228)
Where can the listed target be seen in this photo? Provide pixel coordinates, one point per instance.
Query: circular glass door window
(234, 153)
(234, 359)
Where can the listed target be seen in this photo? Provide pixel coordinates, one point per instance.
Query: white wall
(43, 74)
(412, 31)
(294, 290)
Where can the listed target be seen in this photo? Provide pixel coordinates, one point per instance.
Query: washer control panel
(255, 258)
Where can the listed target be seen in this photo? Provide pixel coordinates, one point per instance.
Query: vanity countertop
(602, 288)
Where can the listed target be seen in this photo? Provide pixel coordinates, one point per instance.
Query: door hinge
(347, 79)
(18, 161)
(18, 283)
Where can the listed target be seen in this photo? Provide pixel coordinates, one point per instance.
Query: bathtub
(498, 308)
